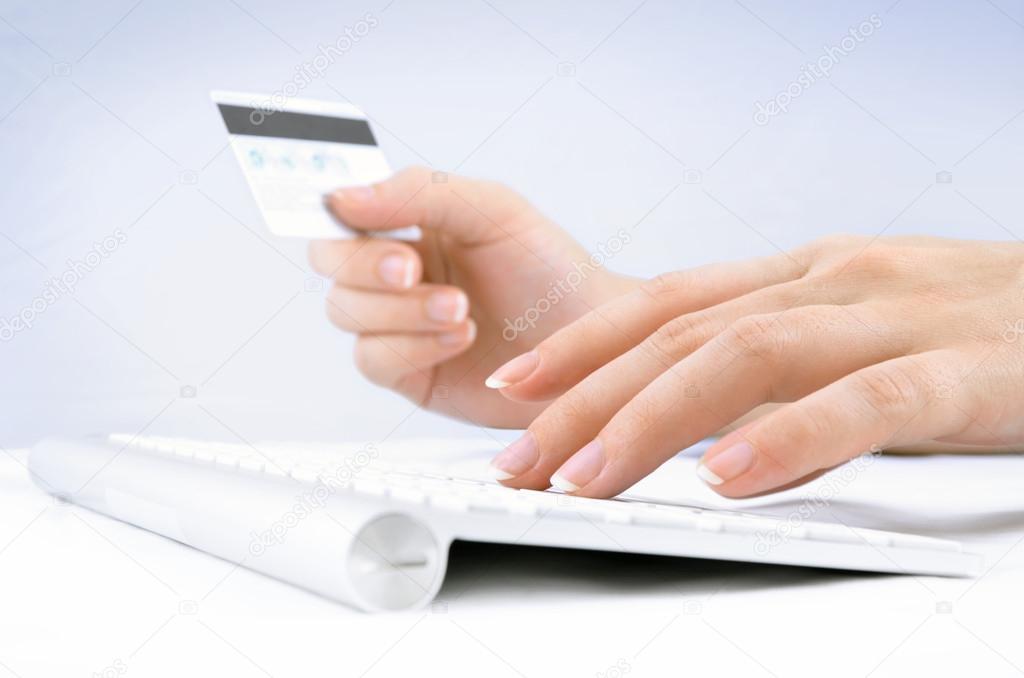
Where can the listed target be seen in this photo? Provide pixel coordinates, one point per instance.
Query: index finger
(565, 358)
(468, 210)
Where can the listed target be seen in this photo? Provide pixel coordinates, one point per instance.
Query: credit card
(294, 153)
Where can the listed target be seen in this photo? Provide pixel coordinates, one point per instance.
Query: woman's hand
(872, 343)
(437, 316)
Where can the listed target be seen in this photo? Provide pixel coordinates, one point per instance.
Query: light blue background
(104, 109)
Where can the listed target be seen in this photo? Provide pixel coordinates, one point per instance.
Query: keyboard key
(250, 464)
(411, 495)
(449, 502)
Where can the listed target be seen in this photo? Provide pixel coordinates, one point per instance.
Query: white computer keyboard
(351, 523)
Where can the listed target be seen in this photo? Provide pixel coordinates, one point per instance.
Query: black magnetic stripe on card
(291, 125)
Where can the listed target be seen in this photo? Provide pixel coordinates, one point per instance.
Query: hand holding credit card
(486, 279)
(294, 154)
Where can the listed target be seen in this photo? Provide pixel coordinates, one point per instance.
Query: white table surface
(83, 593)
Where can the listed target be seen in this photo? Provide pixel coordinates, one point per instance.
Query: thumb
(467, 210)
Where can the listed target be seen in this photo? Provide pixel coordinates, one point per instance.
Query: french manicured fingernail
(581, 468)
(397, 271)
(726, 465)
(447, 307)
(514, 371)
(353, 194)
(456, 337)
(516, 459)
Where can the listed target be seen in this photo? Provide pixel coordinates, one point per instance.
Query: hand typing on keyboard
(874, 343)
(489, 280)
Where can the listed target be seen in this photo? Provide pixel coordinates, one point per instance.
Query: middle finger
(575, 417)
(426, 308)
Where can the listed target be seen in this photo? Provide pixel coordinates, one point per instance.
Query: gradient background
(106, 123)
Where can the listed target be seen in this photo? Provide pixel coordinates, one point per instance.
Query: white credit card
(295, 153)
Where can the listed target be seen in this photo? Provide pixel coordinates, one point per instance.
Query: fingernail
(581, 468)
(514, 371)
(353, 194)
(726, 465)
(460, 336)
(516, 459)
(397, 271)
(447, 307)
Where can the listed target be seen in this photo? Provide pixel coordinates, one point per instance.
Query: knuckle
(833, 242)
(416, 173)
(515, 210)
(807, 320)
(804, 425)
(888, 389)
(790, 439)
(873, 259)
(641, 415)
(393, 367)
(566, 413)
(667, 285)
(827, 247)
(416, 191)
(877, 261)
(678, 337)
(763, 336)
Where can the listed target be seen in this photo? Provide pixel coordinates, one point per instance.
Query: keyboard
(369, 527)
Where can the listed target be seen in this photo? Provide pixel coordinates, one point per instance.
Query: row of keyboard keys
(356, 469)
